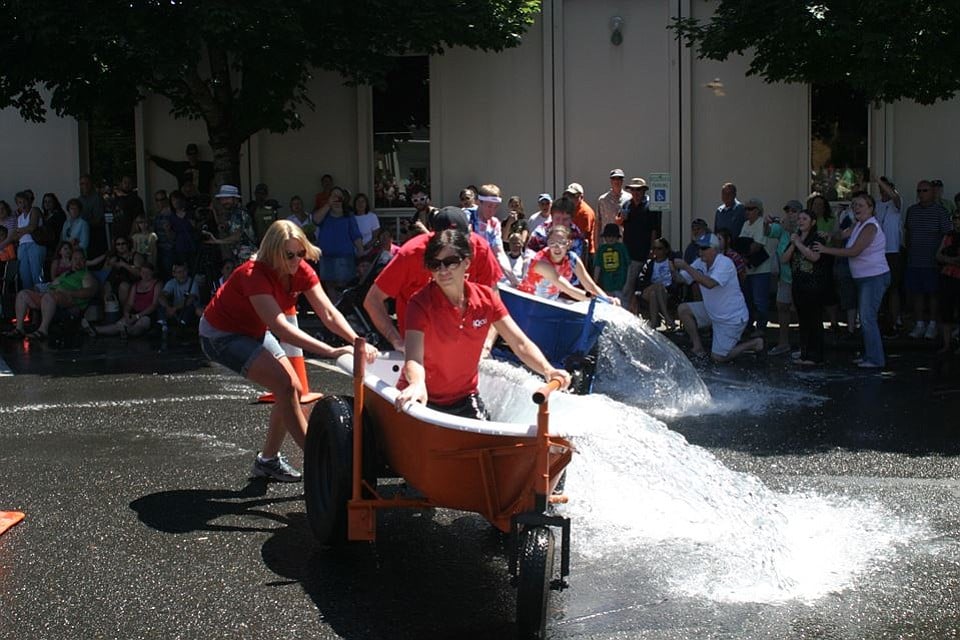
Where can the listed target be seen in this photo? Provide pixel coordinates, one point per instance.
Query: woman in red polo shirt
(446, 325)
(254, 299)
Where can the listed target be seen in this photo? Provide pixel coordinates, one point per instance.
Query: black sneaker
(275, 468)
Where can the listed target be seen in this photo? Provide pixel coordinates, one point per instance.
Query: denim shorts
(237, 352)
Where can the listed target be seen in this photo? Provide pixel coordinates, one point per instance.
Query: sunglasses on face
(559, 244)
(433, 264)
(420, 199)
(290, 255)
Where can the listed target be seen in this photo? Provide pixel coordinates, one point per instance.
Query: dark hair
(724, 233)
(827, 211)
(6, 207)
(563, 204)
(3, 231)
(56, 200)
(453, 238)
(365, 198)
(74, 201)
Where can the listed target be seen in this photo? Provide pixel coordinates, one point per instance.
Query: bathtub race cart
(566, 333)
(506, 472)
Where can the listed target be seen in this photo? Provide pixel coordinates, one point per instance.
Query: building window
(840, 123)
(401, 132)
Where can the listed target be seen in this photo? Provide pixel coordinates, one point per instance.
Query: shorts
(949, 296)
(784, 293)
(726, 335)
(469, 407)
(921, 280)
(237, 352)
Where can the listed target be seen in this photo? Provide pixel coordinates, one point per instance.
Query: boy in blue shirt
(613, 262)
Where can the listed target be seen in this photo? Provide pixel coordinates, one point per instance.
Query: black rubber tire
(534, 575)
(328, 468)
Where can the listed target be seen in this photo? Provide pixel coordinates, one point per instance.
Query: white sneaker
(918, 329)
(931, 331)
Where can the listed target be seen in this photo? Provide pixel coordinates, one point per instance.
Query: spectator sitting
(613, 263)
(62, 261)
(179, 299)
(516, 260)
(71, 292)
(388, 249)
(144, 240)
(138, 308)
(659, 281)
(723, 306)
(8, 252)
(118, 269)
(225, 270)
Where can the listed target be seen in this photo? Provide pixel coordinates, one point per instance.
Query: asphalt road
(131, 465)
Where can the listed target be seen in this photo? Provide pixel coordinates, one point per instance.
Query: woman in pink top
(871, 274)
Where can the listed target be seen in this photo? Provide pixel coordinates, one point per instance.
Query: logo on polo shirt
(479, 322)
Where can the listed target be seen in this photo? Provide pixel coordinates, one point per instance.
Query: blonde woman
(254, 299)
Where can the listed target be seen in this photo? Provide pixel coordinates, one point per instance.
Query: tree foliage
(240, 66)
(888, 49)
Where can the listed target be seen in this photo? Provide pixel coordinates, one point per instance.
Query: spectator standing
(468, 202)
(92, 209)
(610, 203)
(300, 217)
(53, 219)
(924, 226)
(193, 169)
(868, 265)
(9, 222)
(699, 234)
(517, 261)
(542, 216)
(725, 247)
(127, 205)
(811, 280)
(561, 213)
(183, 227)
(948, 257)
(239, 236)
(947, 204)
(613, 264)
(782, 232)
(326, 187)
(641, 227)
(30, 254)
(263, 212)
(516, 221)
(144, 239)
(9, 251)
(420, 221)
(731, 213)
(487, 223)
(888, 215)
(338, 237)
(585, 219)
(723, 306)
(757, 288)
(367, 221)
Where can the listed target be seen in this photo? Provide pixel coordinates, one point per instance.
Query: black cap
(450, 218)
(192, 148)
(611, 230)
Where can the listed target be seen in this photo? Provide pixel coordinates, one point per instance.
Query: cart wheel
(328, 468)
(534, 574)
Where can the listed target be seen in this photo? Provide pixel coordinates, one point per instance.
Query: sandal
(86, 326)
(37, 335)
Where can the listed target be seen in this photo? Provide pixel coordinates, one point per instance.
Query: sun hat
(228, 191)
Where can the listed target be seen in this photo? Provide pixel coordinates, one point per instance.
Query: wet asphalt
(131, 461)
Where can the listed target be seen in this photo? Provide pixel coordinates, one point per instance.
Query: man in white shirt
(723, 306)
(610, 204)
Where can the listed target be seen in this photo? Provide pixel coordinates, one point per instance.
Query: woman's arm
(943, 258)
(528, 352)
(333, 319)
(413, 371)
(269, 312)
(863, 241)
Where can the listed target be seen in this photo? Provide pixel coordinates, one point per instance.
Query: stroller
(350, 303)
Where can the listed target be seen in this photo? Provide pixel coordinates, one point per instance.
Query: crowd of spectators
(853, 266)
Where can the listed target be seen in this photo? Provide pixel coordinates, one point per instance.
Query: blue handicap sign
(659, 195)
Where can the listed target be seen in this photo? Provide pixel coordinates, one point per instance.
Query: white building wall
(926, 143)
(168, 138)
(42, 157)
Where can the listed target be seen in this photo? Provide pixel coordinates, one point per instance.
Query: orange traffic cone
(8, 519)
(295, 355)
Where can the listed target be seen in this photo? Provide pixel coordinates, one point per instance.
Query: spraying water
(638, 490)
(638, 366)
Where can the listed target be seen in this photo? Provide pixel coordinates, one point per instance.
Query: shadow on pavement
(186, 510)
(421, 579)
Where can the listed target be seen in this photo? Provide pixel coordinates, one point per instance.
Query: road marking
(325, 365)
(4, 369)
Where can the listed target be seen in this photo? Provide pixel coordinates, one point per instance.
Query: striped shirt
(925, 226)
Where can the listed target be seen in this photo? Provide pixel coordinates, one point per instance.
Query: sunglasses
(449, 262)
(559, 244)
(420, 199)
(290, 255)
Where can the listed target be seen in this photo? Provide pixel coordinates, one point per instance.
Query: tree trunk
(226, 159)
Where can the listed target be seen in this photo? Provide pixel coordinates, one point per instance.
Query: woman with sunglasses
(255, 298)
(553, 267)
(447, 324)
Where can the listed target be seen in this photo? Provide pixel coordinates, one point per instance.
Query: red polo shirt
(406, 274)
(452, 343)
(231, 311)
